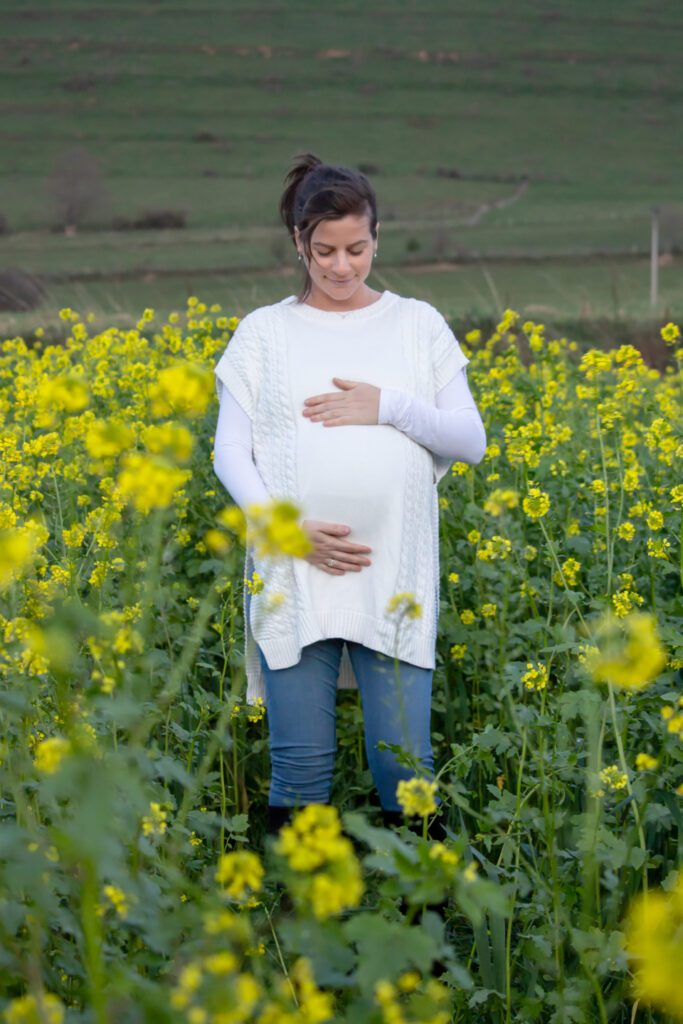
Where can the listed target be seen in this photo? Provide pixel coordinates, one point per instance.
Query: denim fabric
(301, 710)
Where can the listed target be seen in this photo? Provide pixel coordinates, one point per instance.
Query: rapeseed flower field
(138, 884)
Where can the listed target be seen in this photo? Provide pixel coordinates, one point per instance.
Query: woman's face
(342, 252)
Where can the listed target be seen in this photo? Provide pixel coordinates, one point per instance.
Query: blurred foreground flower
(183, 389)
(239, 871)
(107, 438)
(327, 873)
(404, 604)
(150, 481)
(416, 796)
(629, 653)
(46, 1009)
(654, 941)
(66, 392)
(18, 549)
(273, 529)
(50, 753)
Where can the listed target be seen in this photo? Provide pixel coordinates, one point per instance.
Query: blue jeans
(301, 709)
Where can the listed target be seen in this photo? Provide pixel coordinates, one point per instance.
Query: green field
(556, 122)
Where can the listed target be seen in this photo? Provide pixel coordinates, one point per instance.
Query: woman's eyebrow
(350, 245)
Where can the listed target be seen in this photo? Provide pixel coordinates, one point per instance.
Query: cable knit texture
(255, 369)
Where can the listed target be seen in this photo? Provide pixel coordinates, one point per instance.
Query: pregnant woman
(352, 403)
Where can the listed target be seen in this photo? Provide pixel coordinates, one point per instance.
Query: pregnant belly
(352, 475)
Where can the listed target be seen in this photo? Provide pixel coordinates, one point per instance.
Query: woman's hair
(315, 192)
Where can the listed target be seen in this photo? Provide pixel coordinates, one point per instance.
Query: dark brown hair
(315, 192)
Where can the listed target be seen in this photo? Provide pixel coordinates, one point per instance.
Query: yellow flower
(315, 1007)
(674, 722)
(489, 610)
(440, 852)
(654, 942)
(330, 895)
(493, 548)
(312, 841)
(458, 651)
(535, 678)
(238, 871)
(256, 711)
(658, 548)
(500, 499)
(453, 577)
(624, 600)
(45, 1009)
(150, 481)
(255, 584)
(470, 871)
(416, 796)
(467, 616)
(275, 530)
(221, 963)
(312, 838)
(626, 530)
(404, 604)
(50, 753)
(117, 898)
(613, 777)
(106, 439)
(19, 547)
(645, 762)
(570, 572)
(183, 389)
(409, 980)
(217, 542)
(670, 333)
(156, 822)
(171, 439)
(66, 392)
(536, 504)
(629, 653)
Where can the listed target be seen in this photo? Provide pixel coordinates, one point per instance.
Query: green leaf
(386, 948)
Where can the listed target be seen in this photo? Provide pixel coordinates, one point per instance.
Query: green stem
(92, 935)
(553, 553)
(629, 788)
(607, 531)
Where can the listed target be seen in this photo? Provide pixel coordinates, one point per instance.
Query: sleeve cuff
(387, 400)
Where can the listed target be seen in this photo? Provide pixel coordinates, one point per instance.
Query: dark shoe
(276, 817)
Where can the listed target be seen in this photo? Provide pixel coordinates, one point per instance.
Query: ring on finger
(330, 562)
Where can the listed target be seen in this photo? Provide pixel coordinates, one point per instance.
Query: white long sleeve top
(452, 430)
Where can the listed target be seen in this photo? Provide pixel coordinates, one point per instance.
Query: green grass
(580, 100)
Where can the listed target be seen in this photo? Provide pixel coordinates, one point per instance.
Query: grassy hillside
(488, 132)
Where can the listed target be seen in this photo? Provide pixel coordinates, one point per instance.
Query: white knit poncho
(260, 370)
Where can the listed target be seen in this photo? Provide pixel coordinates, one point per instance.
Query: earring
(299, 255)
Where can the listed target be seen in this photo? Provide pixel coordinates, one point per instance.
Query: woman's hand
(357, 403)
(328, 542)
